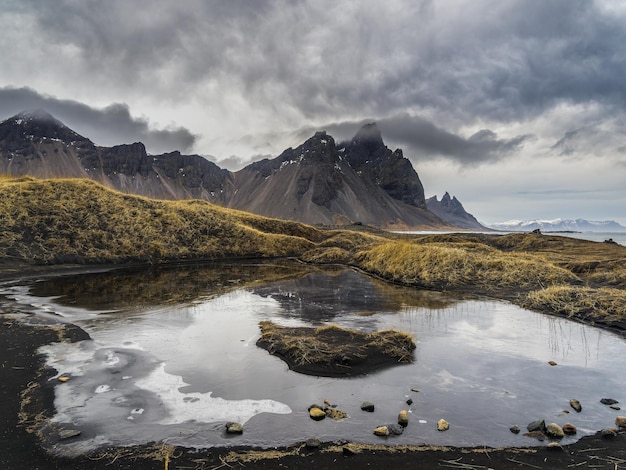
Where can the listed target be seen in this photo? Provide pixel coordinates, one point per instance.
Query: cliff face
(319, 182)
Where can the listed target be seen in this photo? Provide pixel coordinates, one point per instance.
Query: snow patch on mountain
(559, 225)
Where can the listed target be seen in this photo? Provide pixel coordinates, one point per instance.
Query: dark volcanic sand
(21, 369)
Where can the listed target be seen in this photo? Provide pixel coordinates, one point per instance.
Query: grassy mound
(79, 221)
(450, 265)
(331, 351)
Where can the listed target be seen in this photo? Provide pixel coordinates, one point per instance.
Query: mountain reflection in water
(173, 356)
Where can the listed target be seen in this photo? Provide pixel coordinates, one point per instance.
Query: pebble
(409, 402)
(313, 443)
(609, 401)
(608, 433)
(538, 425)
(317, 414)
(395, 429)
(569, 429)
(234, 428)
(442, 425)
(615, 407)
(381, 431)
(555, 431)
(367, 406)
(63, 378)
(403, 418)
(68, 433)
(576, 405)
(515, 429)
(552, 363)
(554, 446)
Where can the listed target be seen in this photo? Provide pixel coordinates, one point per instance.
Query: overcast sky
(517, 107)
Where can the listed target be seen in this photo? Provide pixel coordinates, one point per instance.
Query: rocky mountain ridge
(318, 182)
(451, 211)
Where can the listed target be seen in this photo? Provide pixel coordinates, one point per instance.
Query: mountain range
(559, 225)
(318, 182)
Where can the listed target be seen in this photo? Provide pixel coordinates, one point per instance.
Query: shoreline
(27, 398)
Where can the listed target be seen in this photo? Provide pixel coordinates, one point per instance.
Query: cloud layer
(459, 85)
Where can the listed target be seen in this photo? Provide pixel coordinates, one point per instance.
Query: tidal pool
(172, 357)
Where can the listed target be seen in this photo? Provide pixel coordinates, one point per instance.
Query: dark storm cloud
(109, 126)
(420, 138)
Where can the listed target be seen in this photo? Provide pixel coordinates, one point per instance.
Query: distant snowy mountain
(559, 225)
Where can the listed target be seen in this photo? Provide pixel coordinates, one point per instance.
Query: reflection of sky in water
(177, 372)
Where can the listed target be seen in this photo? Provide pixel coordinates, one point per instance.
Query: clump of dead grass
(333, 346)
(604, 304)
(460, 264)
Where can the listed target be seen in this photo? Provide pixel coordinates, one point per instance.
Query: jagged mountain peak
(450, 210)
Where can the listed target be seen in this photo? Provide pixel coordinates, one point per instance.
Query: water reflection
(175, 356)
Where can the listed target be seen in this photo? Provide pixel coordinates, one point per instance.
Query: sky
(516, 107)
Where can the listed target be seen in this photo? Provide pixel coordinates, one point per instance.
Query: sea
(617, 237)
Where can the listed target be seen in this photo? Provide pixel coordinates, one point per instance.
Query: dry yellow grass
(605, 304)
(460, 264)
(73, 220)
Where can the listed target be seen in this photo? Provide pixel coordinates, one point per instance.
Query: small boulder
(515, 429)
(63, 378)
(381, 431)
(554, 446)
(569, 429)
(576, 405)
(620, 421)
(555, 431)
(552, 363)
(403, 418)
(234, 428)
(443, 425)
(367, 406)
(615, 407)
(409, 401)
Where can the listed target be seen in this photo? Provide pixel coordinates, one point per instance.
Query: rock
(615, 407)
(63, 378)
(569, 429)
(554, 431)
(367, 406)
(313, 443)
(395, 429)
(403, 418)
(552, 363)
(620, 421)
(317, 414)
(381, 431)
(409, 402)
(515, 429)
(442, 425)
(554, 446)
(608, 433)
(415, 390)
(538, 425)
(234, 428)
(609, 401)
(576, 405)
(68, 433)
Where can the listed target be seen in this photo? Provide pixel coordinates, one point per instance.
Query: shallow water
(173, 356)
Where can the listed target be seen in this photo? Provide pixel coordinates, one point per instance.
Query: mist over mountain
(318, 182)
(559, 225)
